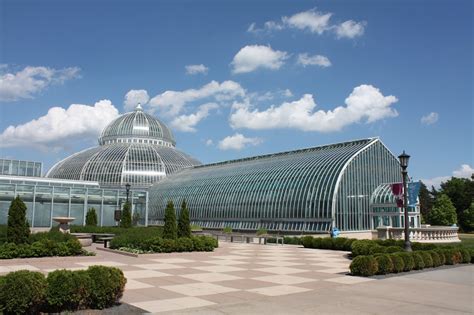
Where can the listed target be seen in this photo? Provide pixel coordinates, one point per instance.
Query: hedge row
(291, 240)
(338, 243)
(380, 263)
(27, 292)
(370, 247)
(41, 248)
(161, 245)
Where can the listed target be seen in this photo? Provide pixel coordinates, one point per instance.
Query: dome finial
(139, 107)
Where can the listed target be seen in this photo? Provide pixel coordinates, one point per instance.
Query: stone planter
(84, 238)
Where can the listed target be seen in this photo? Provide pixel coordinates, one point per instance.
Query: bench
(106, 240)
(98, 236)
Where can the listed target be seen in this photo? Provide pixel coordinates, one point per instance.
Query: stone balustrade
(430, 234)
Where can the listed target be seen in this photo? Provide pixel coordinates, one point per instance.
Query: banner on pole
(413, 191)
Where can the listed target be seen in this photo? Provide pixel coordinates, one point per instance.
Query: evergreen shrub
(427, 258)
(91, 217)
(18, 229)
(418, 260)
(22, 292)
(435, 257)
(364, 266)
(68, 290)
(184, 224)
(170, 228)
(398, 263)
(107, 286)
(307, 241)
(465, 256)
(385, 264)
(408, 261)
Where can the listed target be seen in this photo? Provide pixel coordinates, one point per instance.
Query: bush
(107, 286)
(375, 249)
(68, 290)
(361, 247)
(385, 264)
(364, 266)
(227, 230)
(348, 244)
(307, 241)
(262, 231)
(408, 261)
(22, 292)
(170, 228)
(471, 251)
(422, 246)
(427, 258)
(126, 219)
(317, 242)
(398, 263)
(418, 260)
(42, 248)
(441, 255)
(393, 249)
(326, 243)
(91, 217)
(133, 238)
(338, 243)
(184, 244)
(453, 256)
(184, 224)
(18, 229)
(465, 255)
(436, 258)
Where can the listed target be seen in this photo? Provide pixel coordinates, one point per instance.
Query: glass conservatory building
(135, 148)
(20, 168)
(309, 190)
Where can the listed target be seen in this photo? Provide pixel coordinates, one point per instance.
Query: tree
(169, 230)
(467, 219)
(18, 229)
(91, 217)
(126, 220)
(461, 193)
(443, 212)
(184, 225)
(426, 200)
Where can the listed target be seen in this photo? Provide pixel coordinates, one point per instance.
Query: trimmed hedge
(161, 245)
(465, 256)
(427, 259)
(337, 243)
(408, 261)
(29, 292)
(42, 248)
(364, 266)
(435, 257)
(398, 263)
(418, 260)
(385, 264)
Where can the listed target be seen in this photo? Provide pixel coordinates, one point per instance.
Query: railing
(431, 234)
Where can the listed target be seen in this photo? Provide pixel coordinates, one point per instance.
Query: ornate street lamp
(127, 189)
(404, 158)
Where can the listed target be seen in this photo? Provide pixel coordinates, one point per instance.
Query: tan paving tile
(349, 280)
(210, 277)
(281, 270)
(280, 263)
(134, 284)
(173, 260)
(159, 266)
(198, 289)
(23, 267)
(279, 290)
(219, 268)
(172, 304)
(334, 270)
(285, 279)
(144, 274)
(224, 262)
(101, 263)
(230, 257)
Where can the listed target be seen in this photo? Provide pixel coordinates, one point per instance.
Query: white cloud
(430, 119)
(287, 93)
(253, 57)
(465, 171)
(187, 123)
(316, 60)
(350, 29)
(32, 80)
(209, 142)
(237, 142)
(133, 97)
(366, 102)
(196, 69)
(60, 124)
(267, 27)
(171, 103)
(312, 20)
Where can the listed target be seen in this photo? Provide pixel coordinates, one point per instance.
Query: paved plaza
(269, 279)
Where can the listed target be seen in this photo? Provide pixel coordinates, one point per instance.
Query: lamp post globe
(404, 158)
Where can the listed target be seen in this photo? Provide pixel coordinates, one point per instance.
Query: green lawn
(467, 240)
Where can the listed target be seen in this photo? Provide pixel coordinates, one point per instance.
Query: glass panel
(43, 206)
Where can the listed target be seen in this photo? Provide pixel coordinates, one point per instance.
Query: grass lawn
(467, 240)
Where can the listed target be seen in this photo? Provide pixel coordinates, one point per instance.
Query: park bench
(105, 239)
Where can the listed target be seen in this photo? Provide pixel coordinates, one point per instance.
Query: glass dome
(135, 148)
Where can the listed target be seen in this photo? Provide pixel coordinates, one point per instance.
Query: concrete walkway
(270, 279)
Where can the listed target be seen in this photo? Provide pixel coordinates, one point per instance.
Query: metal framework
(309, 190)
(135, 148)
(20, 168)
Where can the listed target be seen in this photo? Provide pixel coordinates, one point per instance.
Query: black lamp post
(404, 164)
(127, 189)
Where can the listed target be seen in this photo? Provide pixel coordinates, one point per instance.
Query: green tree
(426, 200)
(461, 193)
(443, 212)
(184, 225)
(467, 219)
(169, 230)
(126, 220)
(91, 217)
(18, 229)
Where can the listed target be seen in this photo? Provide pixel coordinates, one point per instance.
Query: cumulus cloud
(366, 102)
(133, 97)
(187, 123)
(253, 57)
(430, 118)
(238, 142)
(31, 80)
(465, 171)
(171, 103)
(196, 69)
(209, 142)
(60, 124)
(316, 60)
(313, 21)
(350, 29)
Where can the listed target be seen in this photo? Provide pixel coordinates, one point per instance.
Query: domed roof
(116, 164)
(137, 125)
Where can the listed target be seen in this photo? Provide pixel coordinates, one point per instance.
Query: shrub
(471, 251)
(326, 243)
(442, 256)
(126, 219)
(91, 217)
(339, 243)
(227, 230)
(292, 240)
(184, 224)
(262, 231)
(42, 248)
(374, 249)
(22, 292)
(390, 242)
(408, 261)
(168, 246)
(307, 241)
(68, 290)
(453, 256)
(361, 247)
(107, 286)
(169, 230)
(204, 243)
(384, 263)
(465, 255)
(18, 229)
(436, 258)
(134, 237)
(427, 258)
(184, 244)
(317, 242)
(364, 266)
(398, 263)
(393, 249)
(348, 243)
(422, 246)
(418, 260)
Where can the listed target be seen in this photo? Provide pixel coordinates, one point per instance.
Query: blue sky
(385, 64)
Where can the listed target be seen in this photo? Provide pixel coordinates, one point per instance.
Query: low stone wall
(429, 234)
